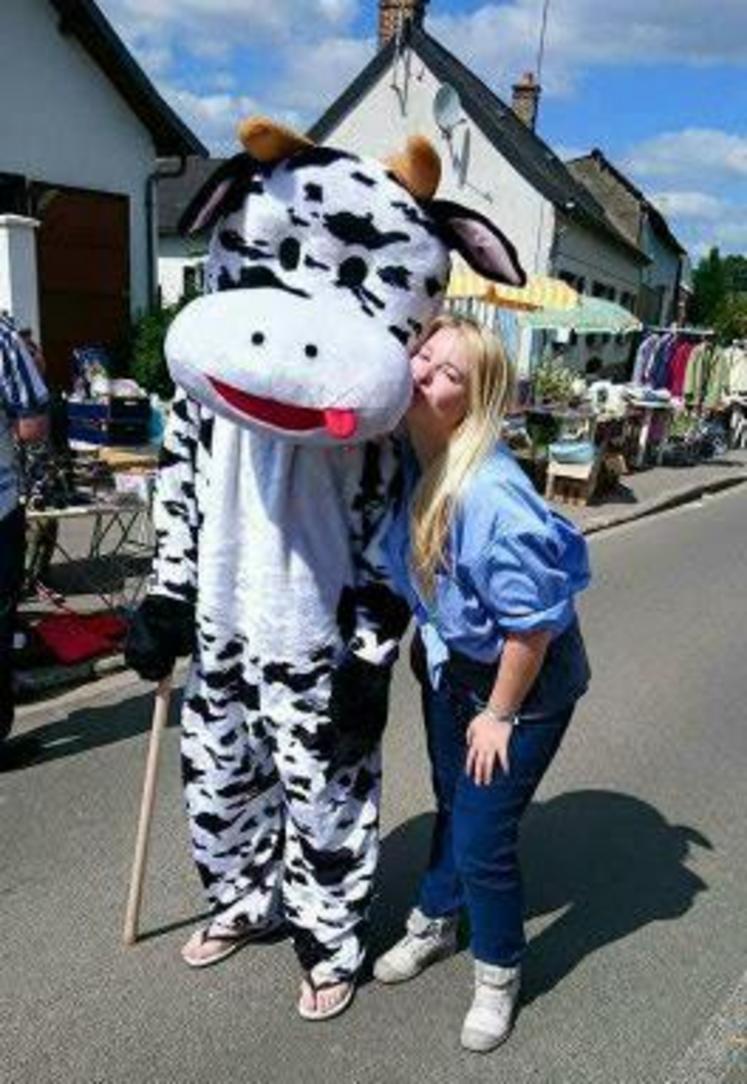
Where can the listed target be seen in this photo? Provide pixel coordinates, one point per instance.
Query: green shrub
(147, 360)
(553, 383)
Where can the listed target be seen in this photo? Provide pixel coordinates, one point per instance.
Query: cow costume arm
(380, 616)
(175, 512)
(163, 628)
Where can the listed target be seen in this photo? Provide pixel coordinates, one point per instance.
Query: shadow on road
(603, 864)
(82, 730)
(607, 862)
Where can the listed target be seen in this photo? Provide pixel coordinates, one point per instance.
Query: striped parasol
(591, 316)
(540, 291)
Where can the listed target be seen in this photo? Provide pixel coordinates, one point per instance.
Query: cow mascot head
(324, 269)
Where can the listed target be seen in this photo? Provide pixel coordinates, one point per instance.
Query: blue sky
(659, 85)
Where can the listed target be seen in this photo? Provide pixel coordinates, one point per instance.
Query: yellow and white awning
(540, 292)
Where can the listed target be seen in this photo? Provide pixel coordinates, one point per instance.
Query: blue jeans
(474, 852)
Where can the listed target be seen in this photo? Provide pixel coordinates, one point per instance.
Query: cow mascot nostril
(275, 481)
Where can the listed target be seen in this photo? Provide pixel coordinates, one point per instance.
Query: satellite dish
(447, 108)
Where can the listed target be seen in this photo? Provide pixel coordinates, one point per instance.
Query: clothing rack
(670, 329)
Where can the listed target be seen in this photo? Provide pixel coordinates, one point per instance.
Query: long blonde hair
(490, 388)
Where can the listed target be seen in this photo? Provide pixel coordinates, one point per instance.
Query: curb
(672, 499)
(44, 679)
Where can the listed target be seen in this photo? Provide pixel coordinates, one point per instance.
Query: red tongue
(340, 423)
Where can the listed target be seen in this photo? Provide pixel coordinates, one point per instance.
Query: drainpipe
(151, 185)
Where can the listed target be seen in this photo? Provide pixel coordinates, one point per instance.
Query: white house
(181, 260)
(493, 158)
(81, 133)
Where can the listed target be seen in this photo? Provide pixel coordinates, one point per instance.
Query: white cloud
(501, 40)
(230, 22)
(214, 116)
(312, 78)
(731, 234)
(699, 205)
(699, 197)
(307, 41)
(710, 153)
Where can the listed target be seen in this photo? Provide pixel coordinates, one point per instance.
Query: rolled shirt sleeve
(528, 578)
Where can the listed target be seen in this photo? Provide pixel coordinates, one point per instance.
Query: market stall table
(119, 532)
(646, 411)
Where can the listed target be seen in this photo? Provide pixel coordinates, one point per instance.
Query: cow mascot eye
(289, 253)
(352, 272)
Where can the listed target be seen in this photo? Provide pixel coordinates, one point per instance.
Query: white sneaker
(491, 1016)
(426, 940)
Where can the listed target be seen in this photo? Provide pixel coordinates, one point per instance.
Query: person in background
(490, 573)
(23, 404)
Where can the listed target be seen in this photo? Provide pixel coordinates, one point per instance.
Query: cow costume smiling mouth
(340, 423)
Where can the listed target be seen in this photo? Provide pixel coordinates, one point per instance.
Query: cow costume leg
(232, 788)
(331, 792)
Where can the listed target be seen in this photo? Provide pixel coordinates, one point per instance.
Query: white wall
(19, 293)
(481, 179)
(174, 255)
(63, 122)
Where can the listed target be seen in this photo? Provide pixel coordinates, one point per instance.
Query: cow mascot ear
(485, 248)
(264, 142)
(417, 168)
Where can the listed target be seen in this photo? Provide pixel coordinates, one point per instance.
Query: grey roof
(176, 193)
(517, 143)
(84, 19)
(657, 219)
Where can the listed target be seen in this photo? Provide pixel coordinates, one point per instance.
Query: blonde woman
(490, 572)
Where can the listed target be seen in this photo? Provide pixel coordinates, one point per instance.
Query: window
(193, 279)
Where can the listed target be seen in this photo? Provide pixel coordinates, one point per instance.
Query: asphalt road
(635, 857)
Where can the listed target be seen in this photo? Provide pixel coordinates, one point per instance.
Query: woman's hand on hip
(487, 741)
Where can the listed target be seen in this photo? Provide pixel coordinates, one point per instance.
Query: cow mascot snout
(276, 476)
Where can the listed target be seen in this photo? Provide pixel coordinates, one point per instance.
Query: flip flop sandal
(233, 940)
(336, 1009)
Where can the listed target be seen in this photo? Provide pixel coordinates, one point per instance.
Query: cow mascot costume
(324, 268)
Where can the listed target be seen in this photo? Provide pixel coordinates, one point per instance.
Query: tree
(710, 287)
(730, 320)
(736, 274)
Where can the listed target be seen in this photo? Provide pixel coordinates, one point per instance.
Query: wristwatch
(500, 717)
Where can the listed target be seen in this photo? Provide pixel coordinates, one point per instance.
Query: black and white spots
(274, 833)
(327, 233)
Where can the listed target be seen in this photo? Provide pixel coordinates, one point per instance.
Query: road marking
(720, 1051)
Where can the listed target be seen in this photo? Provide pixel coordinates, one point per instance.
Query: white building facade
(77, 150)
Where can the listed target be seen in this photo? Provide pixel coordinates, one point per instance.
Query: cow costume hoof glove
(162, 629)
(360, 700)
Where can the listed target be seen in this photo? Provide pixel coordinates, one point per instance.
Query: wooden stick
(134, 899)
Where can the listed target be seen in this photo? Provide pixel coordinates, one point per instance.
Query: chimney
(394, 12)
(525, 101)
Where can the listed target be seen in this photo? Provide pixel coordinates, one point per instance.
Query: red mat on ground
(74, 638)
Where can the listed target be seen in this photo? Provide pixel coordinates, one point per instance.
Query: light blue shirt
(513, 564)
